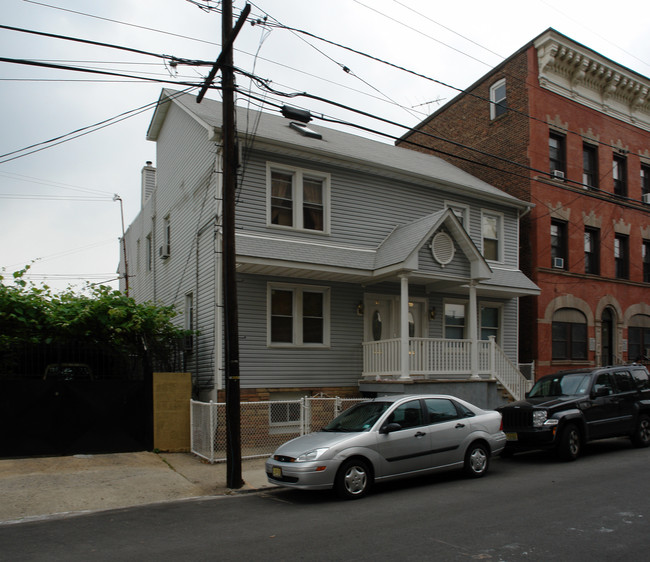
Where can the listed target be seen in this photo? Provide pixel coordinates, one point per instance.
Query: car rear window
(641, 378)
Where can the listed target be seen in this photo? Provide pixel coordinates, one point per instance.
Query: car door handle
(459, 425)
(420, 434)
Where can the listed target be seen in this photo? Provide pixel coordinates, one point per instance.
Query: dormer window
(498, 103)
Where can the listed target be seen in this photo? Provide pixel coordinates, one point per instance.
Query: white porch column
(473, 329)
(404, 328)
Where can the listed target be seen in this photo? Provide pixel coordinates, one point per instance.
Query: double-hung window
(461, 211)
(492, 235)
(619, 172)
(490, 322)
(645, 249)
(298, 315)
(454, 321)
(557, 154)
(498, 103)
(592, 251)
(621, 256)
(589, 166)
(298, 198)
(645, 183)
(559, 244)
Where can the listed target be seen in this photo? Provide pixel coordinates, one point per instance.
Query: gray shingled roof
(401, 243)
(337, 144)
(512, 279)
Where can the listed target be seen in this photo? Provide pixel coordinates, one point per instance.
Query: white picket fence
(264, 425)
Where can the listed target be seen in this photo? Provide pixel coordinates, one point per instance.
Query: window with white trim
(285, 412)
(461, 211)
(298, 315)
(492, 235)
(491, 321)
(454, 320)
(297, 198)
(498, 103)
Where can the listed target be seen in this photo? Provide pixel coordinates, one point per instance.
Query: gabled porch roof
(398, 254)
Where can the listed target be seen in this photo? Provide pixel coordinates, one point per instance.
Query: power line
(80, 132)
(170, 58)
(121, 22)
(421, 32)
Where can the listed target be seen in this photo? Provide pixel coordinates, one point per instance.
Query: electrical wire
(37, 147)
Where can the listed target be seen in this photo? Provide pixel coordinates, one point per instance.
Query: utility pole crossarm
(225, 48)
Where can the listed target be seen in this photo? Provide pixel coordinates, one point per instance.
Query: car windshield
(561, 385)
(358, 418)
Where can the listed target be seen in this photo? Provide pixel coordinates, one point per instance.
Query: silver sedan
(388, 438)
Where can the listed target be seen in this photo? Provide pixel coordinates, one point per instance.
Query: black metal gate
(63, 401)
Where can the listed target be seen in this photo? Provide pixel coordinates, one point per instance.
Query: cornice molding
(582, 75)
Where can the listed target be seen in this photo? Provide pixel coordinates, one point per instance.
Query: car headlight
(539, 417)
(311, 455)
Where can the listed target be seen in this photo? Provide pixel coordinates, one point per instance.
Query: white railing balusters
(437, 358)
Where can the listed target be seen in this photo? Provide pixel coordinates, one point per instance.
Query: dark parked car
(565, 410)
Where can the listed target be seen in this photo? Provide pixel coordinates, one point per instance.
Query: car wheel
(641, 436)
(570, 444)
(477, 460)
(353, 479)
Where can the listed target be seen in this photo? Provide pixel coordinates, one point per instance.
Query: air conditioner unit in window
(558, 263)
(646, 198)
(163, 252)
(558, 174)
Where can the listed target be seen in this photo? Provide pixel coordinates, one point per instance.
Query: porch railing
(443, 358)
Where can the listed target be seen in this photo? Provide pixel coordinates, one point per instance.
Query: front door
(378, 316)
(382, 318)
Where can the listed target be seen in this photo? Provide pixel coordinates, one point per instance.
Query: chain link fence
(264, 425)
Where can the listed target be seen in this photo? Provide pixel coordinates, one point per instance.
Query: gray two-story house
(361, 267)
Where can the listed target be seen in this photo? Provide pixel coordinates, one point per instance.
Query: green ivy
(98, 316)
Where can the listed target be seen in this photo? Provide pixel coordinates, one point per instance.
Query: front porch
(432, 359)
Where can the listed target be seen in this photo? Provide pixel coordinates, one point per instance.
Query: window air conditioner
(646, 198)
(558, 174)
(163, 252)
(558, 263)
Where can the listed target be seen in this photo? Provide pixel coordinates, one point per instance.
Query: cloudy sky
(72, 140)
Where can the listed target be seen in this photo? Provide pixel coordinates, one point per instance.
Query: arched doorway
(607, 337)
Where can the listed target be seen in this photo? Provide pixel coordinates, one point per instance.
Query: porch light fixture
(432, 313)
(360, 309)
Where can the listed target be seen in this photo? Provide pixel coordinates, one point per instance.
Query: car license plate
(512, 436)
(277, 472)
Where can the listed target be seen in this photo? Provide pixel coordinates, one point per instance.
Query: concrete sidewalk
(35, 488)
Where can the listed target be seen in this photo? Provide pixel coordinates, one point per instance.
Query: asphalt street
(530, 507)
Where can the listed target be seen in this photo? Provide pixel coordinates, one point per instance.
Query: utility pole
(229, 186)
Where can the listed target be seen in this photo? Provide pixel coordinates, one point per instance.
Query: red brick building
(561, 126)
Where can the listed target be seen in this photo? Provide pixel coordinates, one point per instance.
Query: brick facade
(521, 136)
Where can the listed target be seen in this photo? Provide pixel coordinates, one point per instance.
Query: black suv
(566, 410)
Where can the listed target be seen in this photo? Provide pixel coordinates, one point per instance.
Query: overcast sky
(56, 202)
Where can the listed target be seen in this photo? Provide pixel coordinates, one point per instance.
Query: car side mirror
(390, 428)
(601, 391)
